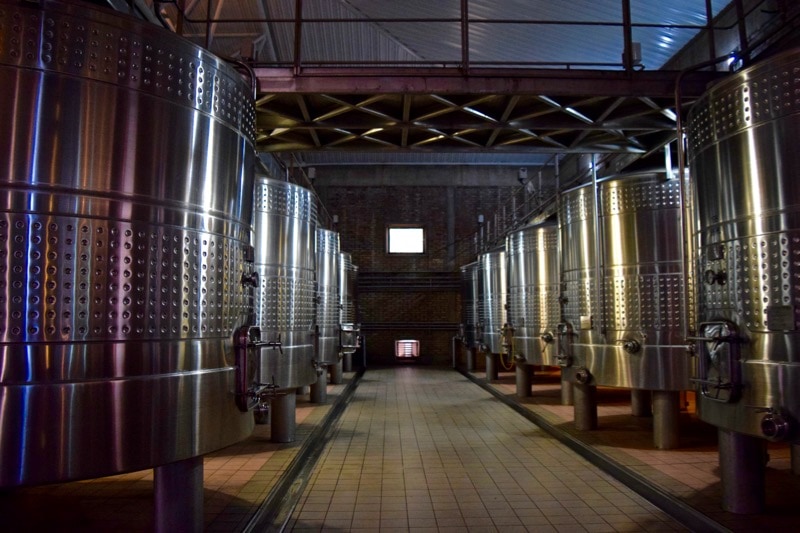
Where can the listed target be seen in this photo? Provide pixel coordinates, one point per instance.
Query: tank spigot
(630, 345)
(711, 277)
(276, 344)
(774, 426)
(547, 337)
(519, 358)
(583, 376)
(564, 359)
(250, 279)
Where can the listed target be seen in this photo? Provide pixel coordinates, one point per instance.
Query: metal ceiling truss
(356, 76)
(462, 122)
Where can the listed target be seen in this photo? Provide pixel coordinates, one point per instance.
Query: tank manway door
(719, 366)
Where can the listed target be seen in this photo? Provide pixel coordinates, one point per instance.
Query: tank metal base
(470, 360)
(795, 455)
(742, 462)
(524, 375)
(567, 392)
(585, 407)
(347, 362)
(337, 374)
(666, 419)
(283, 419)
(319, 390)
(492, 364)
(640, 403)
(179, 496)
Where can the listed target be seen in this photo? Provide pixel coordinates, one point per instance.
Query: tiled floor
(425, 448)
(237, 480)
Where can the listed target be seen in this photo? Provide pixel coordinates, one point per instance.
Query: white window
(405, 240)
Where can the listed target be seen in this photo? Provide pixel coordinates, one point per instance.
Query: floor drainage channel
(275, 511)
(677, 509)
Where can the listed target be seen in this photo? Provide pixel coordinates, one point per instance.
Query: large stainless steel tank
(493, 288)
(469, 303)
(125, 226)
(285, 220)
(629, 330)
(328, 296)
(350, 328)
(534, 292)
(744, 159)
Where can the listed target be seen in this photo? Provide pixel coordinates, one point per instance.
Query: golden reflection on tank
(742, 137)
(125, 253)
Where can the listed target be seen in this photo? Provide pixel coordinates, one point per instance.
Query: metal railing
(180, 14)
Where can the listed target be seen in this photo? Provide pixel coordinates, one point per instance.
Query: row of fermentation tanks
(663, 283)
(154, 292)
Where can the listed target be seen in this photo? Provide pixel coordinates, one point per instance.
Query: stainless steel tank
(125, 226)
(493, 288)
(350, 328)
(534, 292)
(328, 296)
(629, 330)
(469, 303)
(744, 159)
(285, 219)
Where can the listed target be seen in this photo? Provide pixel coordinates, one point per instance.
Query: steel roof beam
(552, 82)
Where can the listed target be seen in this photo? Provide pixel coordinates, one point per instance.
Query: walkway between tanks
(423, 448)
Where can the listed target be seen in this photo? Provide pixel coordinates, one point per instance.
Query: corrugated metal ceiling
(396, 127)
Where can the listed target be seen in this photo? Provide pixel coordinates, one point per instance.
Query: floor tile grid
(690, 472)
(236, 480)
(441, 455)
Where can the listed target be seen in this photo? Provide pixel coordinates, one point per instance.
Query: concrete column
(567, 392)
(336, 373)
(283, 417)
(319, 390)
(742, 461)
(491, 367)
(640, 403)
(585, 408)
(666, 419)
(524, 380)
(178, 491)
(347, 362)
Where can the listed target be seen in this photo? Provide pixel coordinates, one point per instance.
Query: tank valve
(547, 337)
(519, 358)
(630, 345)
(582, 376)
(712, 277)
(564, 359)
(276, 344)
(774, 426)
(250, 279)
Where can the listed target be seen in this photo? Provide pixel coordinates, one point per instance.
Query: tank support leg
(178, 491)
(742, 462)
(524, 380)
(347, 362)
(336, 373)
(283, 419)
(795, 454)
(319, 390)
(585, 408)
(640, 403)
(491, 367)
(666, 419)
(567, 392)
(470, 360)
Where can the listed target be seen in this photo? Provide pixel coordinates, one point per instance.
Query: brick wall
(449, 215)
